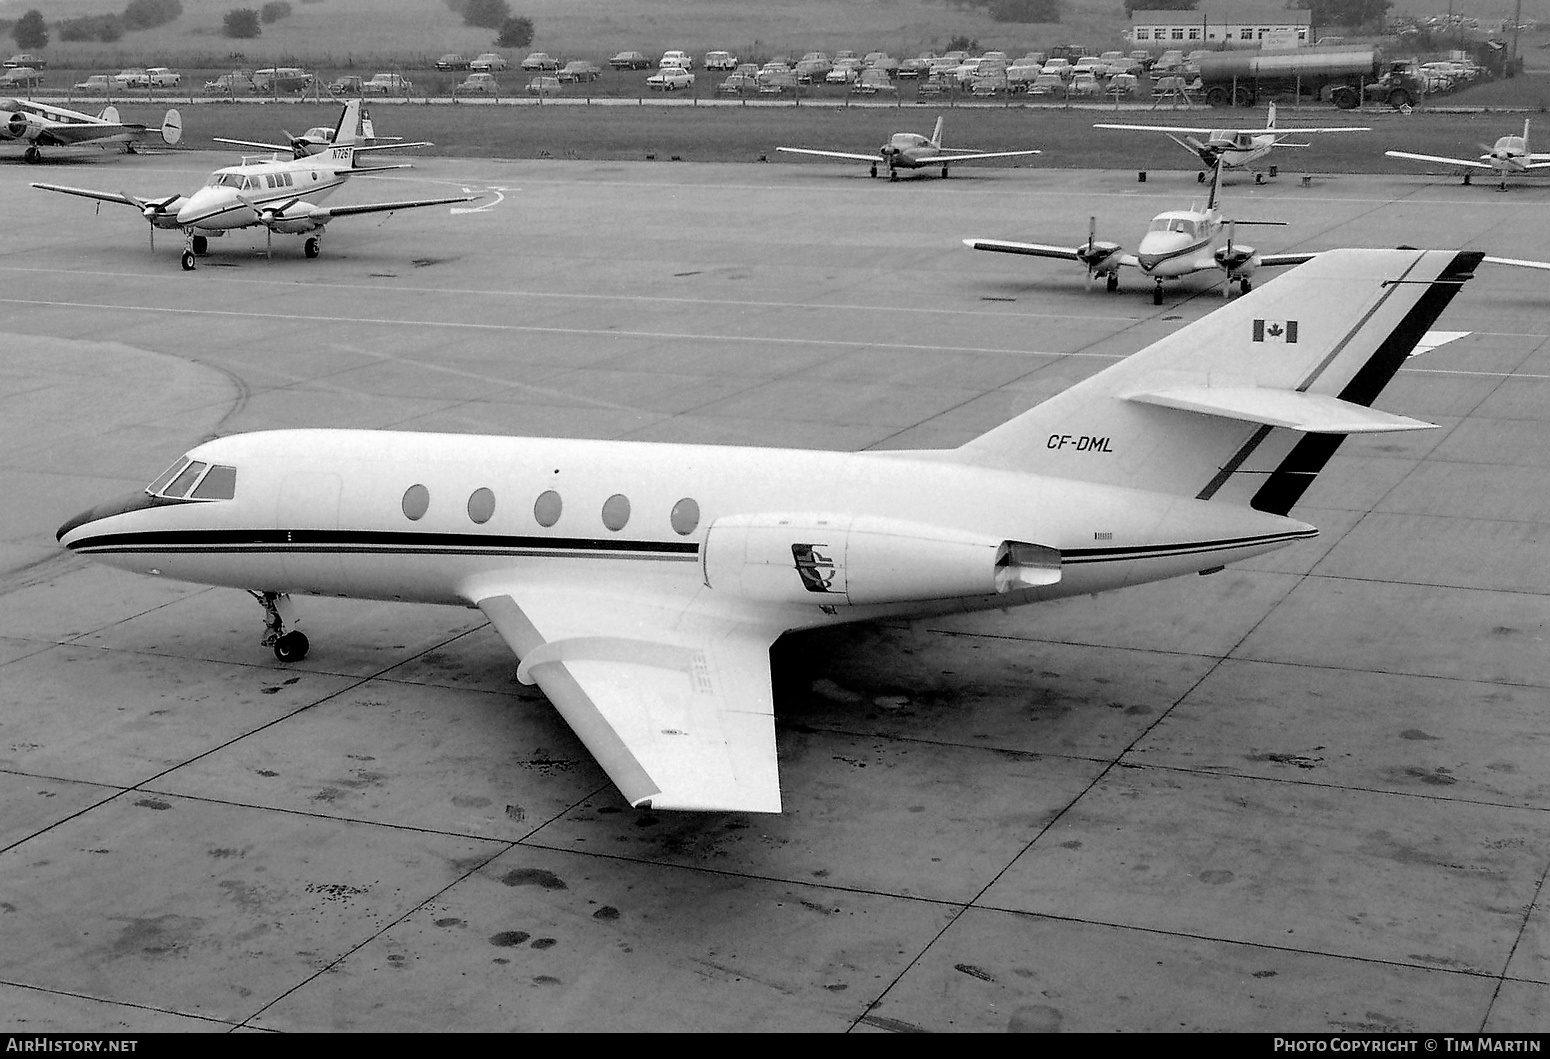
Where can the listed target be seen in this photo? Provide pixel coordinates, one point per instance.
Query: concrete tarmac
(1309, 793)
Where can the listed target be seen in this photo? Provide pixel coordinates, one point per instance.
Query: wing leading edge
(674, 704)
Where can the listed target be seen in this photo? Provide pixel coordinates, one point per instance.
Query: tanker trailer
(1341, 75)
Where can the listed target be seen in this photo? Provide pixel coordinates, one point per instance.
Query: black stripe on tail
(1291, 479)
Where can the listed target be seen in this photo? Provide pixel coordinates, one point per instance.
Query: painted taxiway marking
(500, 196)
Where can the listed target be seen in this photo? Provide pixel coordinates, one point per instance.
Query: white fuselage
(327, 512)
(1169, 247)
(233, 196)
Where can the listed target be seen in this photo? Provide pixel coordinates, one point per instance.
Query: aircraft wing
(673, 701)
(954, 159)
(66, 134)
(1158, 128)
(1473, 163)
(873, 157)
(1279, 260)
(1517, 262)
(1280, 132)
(87, 193)
(282, 148)
(325, 214)
(1064, 253)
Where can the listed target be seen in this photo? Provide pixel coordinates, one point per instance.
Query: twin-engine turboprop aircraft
(641, 585)
(1234, 148)
(1179, 243)
(354, 127)
(41, 125)
(1509, 155)
(911, 150)
(281, 194)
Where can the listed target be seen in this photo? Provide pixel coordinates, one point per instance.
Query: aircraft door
(307, 510)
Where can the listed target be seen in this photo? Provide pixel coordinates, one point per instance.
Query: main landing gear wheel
(32, 154)
(1200, 177)
(1244, 286)
(874, 171)
(292, 647)
(312, 248)
(188, 261)
(201, 245)
(944, 172)
(1157, 294)
(893, 174)
(1259, 178)
(1113, 282)
(1466, 179)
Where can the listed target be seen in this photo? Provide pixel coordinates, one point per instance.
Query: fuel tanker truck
(1341, 75)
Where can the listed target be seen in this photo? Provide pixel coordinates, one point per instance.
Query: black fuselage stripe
(369, 541)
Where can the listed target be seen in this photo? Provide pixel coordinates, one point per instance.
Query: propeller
(1094, 252)
(299, 144)
(152, 212)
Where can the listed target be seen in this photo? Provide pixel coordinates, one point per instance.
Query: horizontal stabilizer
(1310, 413)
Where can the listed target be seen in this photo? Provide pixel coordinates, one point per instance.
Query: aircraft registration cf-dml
(641, 585)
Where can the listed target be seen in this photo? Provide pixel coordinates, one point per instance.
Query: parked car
(579, 70)
(452, 61)
(916, 67)
(387, 84)
(27, 58)
(1122, 86)
(544, 85)
(630, 60)
(845, 71)
(670, 78)
(676, 58)
(1059, 67)
(231, 83)
(161, 77)
(94, 84)
(778, 82)
(20, 77)
(880, 60)
(490, 63)
(348, 85)
(277, 79)
(1085, 85)
(537, 60)
(874, 79)
(1048, 85)
(720, 60)
(131, 78)
(477, 83)
(738, 83)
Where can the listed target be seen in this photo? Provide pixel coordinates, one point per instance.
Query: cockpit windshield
(228, 180)
(195, 480)
(1173, 224)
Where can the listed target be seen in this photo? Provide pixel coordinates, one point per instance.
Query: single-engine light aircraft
(41, 125)
(1509, 155)
(1178, 243)
(354, 127)
(641, 584)
(281, 194)
(911, 150)
(1234, 148)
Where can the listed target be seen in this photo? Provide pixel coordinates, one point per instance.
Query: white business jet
(911, 150)
(41, 125)
(281, 194)
(1235, 148)
(1179, 243)
(1509, 155)
(641, 585)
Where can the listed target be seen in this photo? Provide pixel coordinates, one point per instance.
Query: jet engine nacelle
(1238, 259)
(838, 560)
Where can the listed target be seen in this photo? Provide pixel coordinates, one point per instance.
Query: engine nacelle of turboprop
(836, 560)
(1238, 260)
(1096, 257)
(294, 225)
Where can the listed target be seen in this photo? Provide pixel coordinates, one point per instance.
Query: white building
(1206, 27)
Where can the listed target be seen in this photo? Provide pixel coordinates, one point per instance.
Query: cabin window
(685, 516)
(546, 509)
(417, 501)
(481, 506)
(616, 511)
(185, 479)
(219, 483)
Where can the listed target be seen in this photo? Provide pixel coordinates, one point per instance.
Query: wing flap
(1294, 409)
(675, 706)
(328, 213)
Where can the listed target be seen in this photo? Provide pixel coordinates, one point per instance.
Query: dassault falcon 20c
(641, 585)
(1179, 243)
(281, 194)
(911, 150)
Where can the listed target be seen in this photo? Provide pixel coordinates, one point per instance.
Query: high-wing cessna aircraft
(1509, 155)
(1178, 243)
(41, 125)
(1234, 148)
(279, 194)
(641, 584)
(911, 150)
(354, 127)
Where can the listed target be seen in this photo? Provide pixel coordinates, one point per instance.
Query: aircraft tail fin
(1216, 184)
(1270, 118)
(172, 128)
(347, 132)
(1247, 404)
(936, 137)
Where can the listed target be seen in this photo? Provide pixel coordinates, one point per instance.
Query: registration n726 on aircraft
(641, 585)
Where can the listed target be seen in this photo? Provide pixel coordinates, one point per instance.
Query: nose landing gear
(288, 646)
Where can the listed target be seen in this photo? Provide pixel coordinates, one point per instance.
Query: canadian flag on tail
(1275, 331)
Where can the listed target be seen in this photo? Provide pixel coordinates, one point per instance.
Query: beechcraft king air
(911, 150)
(43, 125)
(280, 194)
(642, 584)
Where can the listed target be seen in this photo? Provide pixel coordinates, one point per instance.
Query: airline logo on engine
(814, 568)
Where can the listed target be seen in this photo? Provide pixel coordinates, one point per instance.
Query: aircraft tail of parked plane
(1248, 403)
(354, 128)
(641, 584)
(1509, 154)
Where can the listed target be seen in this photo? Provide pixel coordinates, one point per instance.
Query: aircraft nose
(203, 205)
(129, 502)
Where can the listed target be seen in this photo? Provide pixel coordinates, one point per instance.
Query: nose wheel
(1157, 293)
(288, 646)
